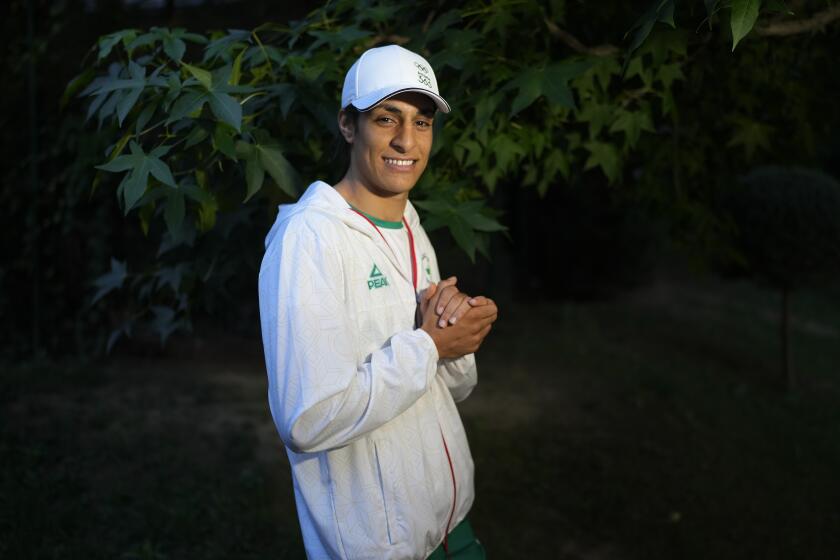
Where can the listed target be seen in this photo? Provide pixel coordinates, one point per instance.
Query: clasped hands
(456, 322)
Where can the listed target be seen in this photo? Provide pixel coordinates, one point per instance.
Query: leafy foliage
(229, 123)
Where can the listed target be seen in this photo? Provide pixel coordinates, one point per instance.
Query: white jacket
(365, 407)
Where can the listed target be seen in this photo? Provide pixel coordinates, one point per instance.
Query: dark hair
(354, 114)
(341, 149)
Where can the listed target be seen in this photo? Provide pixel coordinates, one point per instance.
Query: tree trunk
(788, 376)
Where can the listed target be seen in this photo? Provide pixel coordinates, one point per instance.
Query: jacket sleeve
(460, 375)
(320, 396)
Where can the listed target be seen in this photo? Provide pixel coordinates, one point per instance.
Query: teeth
(399, 162)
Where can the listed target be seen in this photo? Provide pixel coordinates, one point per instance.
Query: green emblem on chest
(376, 279)
(427, 267)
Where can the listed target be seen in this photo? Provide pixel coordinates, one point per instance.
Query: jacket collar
(322, 197)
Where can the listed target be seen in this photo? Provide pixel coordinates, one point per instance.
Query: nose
(403, 140)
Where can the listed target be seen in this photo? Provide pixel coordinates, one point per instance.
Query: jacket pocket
(386, 491)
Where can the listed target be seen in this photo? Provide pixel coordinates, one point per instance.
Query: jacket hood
(322, 197)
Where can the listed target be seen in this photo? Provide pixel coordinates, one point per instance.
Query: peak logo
(376, 279)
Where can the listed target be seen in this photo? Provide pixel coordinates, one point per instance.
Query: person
(367, 350)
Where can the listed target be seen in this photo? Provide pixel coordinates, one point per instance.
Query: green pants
(462, 545)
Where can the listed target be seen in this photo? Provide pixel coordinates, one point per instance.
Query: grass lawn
(643, 428)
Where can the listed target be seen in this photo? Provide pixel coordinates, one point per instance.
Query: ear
(345, 126)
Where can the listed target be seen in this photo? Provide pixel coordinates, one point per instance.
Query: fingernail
(441, 323)
(472, 301)
(452, 320)
(439, 310)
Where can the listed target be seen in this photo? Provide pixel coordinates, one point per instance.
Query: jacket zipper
(445, 446)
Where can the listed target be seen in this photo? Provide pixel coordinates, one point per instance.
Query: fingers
(459, 311)
(444, 296)
(485, 311)
(456, 302)
(451, 281)
(425, 296)
(479, 300)
(434, 298)
(428, 293)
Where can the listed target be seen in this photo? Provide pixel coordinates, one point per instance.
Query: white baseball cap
(383, 72)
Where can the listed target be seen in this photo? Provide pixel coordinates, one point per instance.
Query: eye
(385, 119)
(424, 124)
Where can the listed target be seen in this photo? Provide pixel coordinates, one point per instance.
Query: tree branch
(572, 42)
(816, 22)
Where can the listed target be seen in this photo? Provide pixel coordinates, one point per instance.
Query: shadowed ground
(641, 428)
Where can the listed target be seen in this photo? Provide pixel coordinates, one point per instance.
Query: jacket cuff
(424, 336)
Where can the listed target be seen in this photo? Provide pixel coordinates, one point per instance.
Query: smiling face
(390, 144)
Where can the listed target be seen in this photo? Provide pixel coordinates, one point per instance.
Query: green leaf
(559, 93)
(464, 235)
(108, 42)
(666, 14)
(434, 205)
(144, 117)
(226, 43)
(636, 67)
(661, 10)
(556, 162)
(556, 79)
(164, 322)
(254, 176)
(135, 184)
(207, 214)
(174, 212)
(186, 105)
(203, 76)
(236, 72)
(195, 192)
(226, 109)
(174, 47)
(223, 140)
(751, 135)
(669, 73)
(473, 151)
(196, 136)
(604, 69)
(77, 83)
(506, 151)
(480, 222)
(244, 150)
(111, 280)
(642, 33)
(597, 115)
(606, 157)
(529, 86)
(121, 163)
(143, 40)
(743, 18)
(281, 171)
(123, 330)
(171, 276)
(161, 172)
(130, 98)
(139, 165)
(485, 108)
(632, 123)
